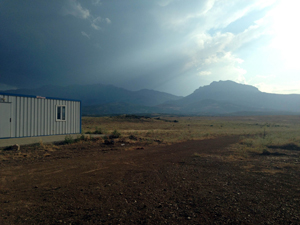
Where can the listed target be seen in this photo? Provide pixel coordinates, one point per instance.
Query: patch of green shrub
(114, 134)
(69, 139)
(98, 131)
(80, 138)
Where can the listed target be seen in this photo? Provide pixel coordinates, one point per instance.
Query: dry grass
(258, 131)
(31, 151)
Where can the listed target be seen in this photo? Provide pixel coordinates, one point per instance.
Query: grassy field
(258, 133)
(246, 172)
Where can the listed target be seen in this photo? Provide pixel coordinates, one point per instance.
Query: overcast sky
(174, 46)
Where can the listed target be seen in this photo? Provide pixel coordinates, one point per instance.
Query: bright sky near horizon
(174, 46)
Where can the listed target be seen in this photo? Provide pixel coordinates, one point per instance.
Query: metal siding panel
(66, 122)
(21, 116)
(17, 117)
(5, 120)
(59, 123)
(49, 117)
(35, 117)
(42, 117)
(56, 124)
(78, 117)
(40, 112)
(28, 116)
(62, 123)
(75, 118)
(53, 123)
(12, 99)
(68, 117)
(53, 111)
(39, 116)
(46, 117)
(32, 117)
(72, 118)
(71, 123)
(25, 117)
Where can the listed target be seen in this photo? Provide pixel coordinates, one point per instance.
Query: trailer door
(5, 120)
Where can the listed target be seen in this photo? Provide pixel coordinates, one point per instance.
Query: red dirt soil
(96, 184)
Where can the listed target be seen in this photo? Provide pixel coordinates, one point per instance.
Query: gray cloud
(72, 7)
(168, 45)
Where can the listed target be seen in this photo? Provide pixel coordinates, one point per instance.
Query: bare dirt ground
(194, 182)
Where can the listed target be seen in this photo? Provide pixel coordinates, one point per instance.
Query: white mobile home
(29, 116)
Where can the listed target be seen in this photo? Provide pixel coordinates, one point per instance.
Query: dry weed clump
(38, 150)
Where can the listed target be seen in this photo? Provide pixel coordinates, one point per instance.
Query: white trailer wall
(31, 116)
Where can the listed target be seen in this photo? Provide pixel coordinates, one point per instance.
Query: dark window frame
(60, 113)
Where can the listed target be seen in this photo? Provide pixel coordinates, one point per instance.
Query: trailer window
(60, 113)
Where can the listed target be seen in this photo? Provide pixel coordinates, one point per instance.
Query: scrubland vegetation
(142, 170)
(259, 134)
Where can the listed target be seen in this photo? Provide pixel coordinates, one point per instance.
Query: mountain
(226, 97)
(218, 98)
(99, 94)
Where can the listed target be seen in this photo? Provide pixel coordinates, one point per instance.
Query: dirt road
(90, 184)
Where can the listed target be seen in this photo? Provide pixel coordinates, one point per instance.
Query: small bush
(98, 131)
(69, 139)
(109, 142)
(265, 152)
(80, 138)
(114, 134)
(132, 137)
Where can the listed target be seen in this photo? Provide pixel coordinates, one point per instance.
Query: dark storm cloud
(132, 44)
(37, 45)
(69, 42)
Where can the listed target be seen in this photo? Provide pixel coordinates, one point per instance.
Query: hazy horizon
(165, 45)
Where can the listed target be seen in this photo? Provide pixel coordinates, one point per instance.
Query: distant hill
(225, 97)
(218, 98)
(99, 94)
